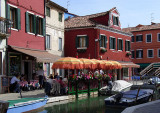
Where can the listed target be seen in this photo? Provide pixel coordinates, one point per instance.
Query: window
(15, 16)
(39, 26)
(31, 26)
(158, 53)
(150, 53)
(148, 38)
(125, 72)
(112, 43)
(60, 44)
(127, 45)
(139, 38)
(103, 40)
(81, 41)
(132, 39)
(139, 53)
(48, 42)
(115, 21)
(132, 53)
(119, 44)
(60, 17)
(35, 24)
(158, 37)
(48, 11)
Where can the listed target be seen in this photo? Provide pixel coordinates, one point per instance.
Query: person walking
(40, 73)
(14, 84)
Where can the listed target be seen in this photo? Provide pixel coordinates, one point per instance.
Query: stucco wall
(55, 29)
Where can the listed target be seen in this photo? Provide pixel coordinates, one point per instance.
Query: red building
(145, 44)
(27, 40)
(99, 36)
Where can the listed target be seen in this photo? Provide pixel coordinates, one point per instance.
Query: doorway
(27, 70)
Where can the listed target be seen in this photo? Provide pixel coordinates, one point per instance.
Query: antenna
(152, 18)
(68, 4)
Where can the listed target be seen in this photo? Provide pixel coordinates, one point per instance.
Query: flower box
(103, 50)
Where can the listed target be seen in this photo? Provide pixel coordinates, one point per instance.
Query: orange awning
(129, 64)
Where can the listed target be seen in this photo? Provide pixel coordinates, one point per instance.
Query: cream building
(4, 32)
(54, 32)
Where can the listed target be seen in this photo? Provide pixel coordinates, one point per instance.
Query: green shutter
(27, 22)
(125, 45)
(129, 45)
(114, 43)
(18, 22)
(142, 37)
(44, 27)
(110, 43)
(100, 41)
(77, 42)
(117, 44)
(105, 42)
(87, 41)
(8, 11)
(37, 24)
(34, 24)
(122, 45)
(142, 53)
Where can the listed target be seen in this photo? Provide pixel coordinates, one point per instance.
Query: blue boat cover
(133, 93)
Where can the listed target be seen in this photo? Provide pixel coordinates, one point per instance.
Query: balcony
(5, 27)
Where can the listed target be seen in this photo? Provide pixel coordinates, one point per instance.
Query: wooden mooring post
(3, 106)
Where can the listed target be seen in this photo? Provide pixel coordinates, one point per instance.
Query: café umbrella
(88, 64)
(68, 63)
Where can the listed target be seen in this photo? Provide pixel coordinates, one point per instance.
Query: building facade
(26, 50)
(99, 36)
(145, 42)
(54, 31)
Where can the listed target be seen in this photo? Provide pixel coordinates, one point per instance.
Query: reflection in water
(87, 105)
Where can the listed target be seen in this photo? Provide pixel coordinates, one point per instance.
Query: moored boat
(130, 98)
(26, 104)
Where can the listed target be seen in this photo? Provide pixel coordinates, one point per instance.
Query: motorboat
(118, 86)
(132, 97)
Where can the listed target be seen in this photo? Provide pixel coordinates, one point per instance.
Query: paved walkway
(25, 94)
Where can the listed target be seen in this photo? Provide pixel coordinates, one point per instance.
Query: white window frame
(157, 37)
(130, 44)
(151, 38)
(136, 55)
(109, 42)
(82, 36)
(148, 54)
(136, 37)
(158, 52)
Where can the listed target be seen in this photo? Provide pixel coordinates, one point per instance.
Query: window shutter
(129, 45)
(117, 44)
(77, 42)
(136, 38)
(142, 37)
(137, 53)
(27, 22)
(18, 19)
(125, 45)
(105, 42)
(44, 27)
(132, 39)
(37, 24)
(142, 53)
(114, 43)
(110, 43)
(34, 24)
(100, 41)
(8, 11)
(122, 45)
(87, 41)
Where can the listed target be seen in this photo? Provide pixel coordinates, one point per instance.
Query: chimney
(152, 23)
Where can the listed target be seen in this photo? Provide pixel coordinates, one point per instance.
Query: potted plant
(128, 54)
(103, 50)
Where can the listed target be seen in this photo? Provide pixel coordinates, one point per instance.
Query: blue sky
(132, 12)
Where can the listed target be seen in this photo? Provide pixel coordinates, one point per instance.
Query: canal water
(85, 105)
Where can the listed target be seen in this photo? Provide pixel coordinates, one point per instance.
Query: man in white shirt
(14, 84)
(40, 73)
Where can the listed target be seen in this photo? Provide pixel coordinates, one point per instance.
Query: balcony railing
(5, 27)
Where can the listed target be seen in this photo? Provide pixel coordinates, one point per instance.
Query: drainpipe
(6, 42)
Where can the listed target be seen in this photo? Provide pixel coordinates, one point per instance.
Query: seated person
(23, 83)
(14, 84)
(62, 86)
(49, 85)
